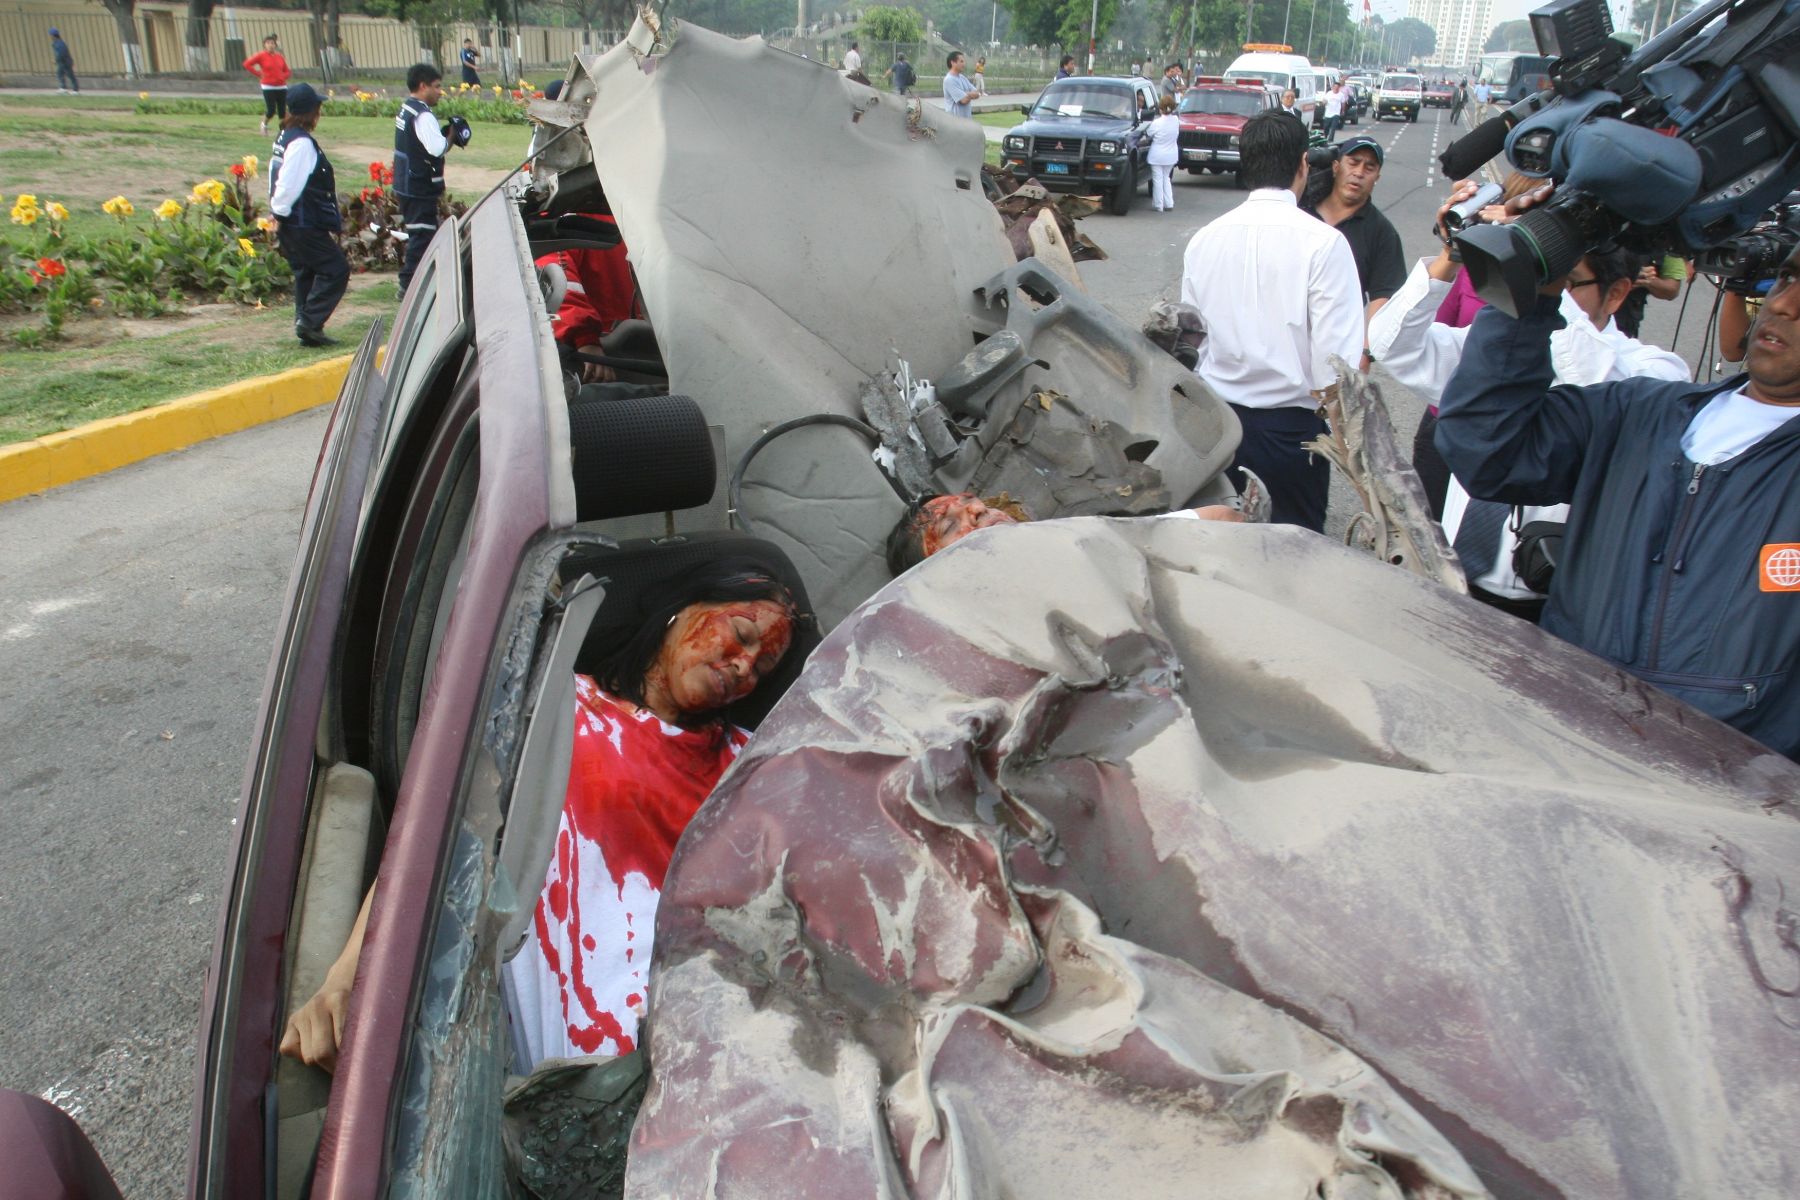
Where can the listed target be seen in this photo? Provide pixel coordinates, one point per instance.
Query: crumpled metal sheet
(1179, 858)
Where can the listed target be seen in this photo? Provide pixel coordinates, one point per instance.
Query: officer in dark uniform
(303, 200)
(420, 144)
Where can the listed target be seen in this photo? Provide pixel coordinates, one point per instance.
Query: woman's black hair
(906, 541)
(621, 669)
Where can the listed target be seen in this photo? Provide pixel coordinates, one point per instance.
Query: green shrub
(503, 107)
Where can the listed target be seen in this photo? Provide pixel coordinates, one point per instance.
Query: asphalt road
(136, 620)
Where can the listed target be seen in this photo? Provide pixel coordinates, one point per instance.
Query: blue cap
(303, 98)
(1361, 141)
(55, 32)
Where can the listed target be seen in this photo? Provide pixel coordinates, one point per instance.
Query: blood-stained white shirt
(580, 983)
(1278, 291)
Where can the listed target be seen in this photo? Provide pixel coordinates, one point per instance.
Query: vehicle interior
(636, 452)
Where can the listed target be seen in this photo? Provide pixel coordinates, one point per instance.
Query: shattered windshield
(1085, 100)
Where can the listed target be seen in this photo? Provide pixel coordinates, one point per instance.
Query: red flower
(237, 169)
(518, 95)
(387, 174)
(375, 170)
(51, 268)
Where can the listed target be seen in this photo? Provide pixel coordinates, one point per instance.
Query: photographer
(1422, 354)
(1681, 560)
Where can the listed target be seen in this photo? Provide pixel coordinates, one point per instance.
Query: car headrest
(635, 570)
(645, 455)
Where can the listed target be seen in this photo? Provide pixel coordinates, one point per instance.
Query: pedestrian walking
(420, 145)
(271, 70)
(1459, 97)
(1484, 95)
(980, 75)
(1278, 294)
(303, 203)
(1165, 135)
(1334, 112)
(902, 74)
(471, 58)
(65, 64)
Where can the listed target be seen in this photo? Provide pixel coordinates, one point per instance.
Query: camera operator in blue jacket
(1681, 561)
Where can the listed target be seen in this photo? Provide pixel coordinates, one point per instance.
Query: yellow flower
(209, 191)
(496, 89)
(24, 216)
(266, 224)
(168, 210)
(245, 248)
(523, 86)
(118, 207)
(57, 212)
(25, 200)
(250, 166)
(143, 95)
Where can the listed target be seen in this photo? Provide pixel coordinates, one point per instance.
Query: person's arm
(1334, 302)
(297, 163)
(315, 1030)
(1406, 338)
(1652, 280)
(253, 64)
(1507, 433)
(431, 134)
(1734, 326)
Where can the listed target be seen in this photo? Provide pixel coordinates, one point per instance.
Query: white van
(1279, 71)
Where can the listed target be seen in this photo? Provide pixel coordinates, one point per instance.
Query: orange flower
(237, 170)
(51, 268)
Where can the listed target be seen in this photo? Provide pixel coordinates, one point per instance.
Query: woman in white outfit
(1164, 131)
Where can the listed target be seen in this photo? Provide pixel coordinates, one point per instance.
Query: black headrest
(637, 569)
(645, 455)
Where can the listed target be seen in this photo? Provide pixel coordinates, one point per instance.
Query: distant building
(1462, 26)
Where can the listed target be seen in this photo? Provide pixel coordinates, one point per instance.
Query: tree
(1062, 23)
(882, 23)
(1510, 35)
(124, 15)
(1409, 38)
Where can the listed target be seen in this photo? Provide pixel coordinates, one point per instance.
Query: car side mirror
(1026, 109)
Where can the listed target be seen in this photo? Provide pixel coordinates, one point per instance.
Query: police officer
(420, 144)
(303, 200)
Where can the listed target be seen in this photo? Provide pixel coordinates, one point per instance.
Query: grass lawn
(1001, 120)
(81, 151)
(111, 367)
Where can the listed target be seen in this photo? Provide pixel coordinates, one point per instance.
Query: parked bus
(1512, 75)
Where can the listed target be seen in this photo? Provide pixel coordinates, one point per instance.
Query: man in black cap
(303, 201)
(420, 144)
(1343, 198)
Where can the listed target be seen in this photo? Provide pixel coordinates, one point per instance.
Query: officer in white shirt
(1278, 292)
(1421, 354)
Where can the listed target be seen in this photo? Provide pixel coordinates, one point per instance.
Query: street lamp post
(1285, 18)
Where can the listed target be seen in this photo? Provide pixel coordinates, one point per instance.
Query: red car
(1212, 115)
(1439, 95)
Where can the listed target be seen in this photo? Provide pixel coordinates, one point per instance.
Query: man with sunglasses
(1681, 559)
(1422, 354)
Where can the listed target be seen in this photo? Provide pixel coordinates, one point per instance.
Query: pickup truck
(1212, 115)
(1080, 136)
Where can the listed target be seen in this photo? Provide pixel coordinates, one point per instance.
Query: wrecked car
(1120, 854)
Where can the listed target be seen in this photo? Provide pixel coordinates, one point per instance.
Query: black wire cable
(734, 491)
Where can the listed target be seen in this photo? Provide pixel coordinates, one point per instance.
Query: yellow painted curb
(102, 446)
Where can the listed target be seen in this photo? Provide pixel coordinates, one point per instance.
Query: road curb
(102, 446)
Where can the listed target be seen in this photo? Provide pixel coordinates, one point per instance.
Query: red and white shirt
(270, 67)
(580, 982)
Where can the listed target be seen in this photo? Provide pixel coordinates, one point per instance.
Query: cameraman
(1681, 561)
(1422, 354)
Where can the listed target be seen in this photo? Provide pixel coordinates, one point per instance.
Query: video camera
(1674, 148)
(1747, 263)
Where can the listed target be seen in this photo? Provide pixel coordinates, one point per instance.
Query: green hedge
(503, 109)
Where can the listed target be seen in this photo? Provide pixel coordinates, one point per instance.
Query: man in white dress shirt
(1278, 292)
(1422, 354)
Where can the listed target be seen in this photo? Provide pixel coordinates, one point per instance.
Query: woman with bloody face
(649, 746)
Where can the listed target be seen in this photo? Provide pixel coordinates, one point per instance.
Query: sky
(1504, 10)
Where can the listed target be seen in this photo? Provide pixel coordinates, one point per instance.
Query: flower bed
(494, 104)
(214, 245)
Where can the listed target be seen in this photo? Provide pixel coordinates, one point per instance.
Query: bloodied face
(947, 519)
(716, 653)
